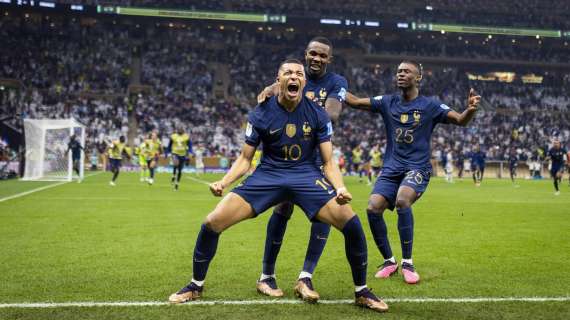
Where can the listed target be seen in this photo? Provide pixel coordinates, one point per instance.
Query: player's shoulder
(335, 77)
(263, 112)
(314, 108)
(435, 102)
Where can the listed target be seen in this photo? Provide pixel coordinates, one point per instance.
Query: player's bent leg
(231, 210)
(344, 219)
(275, 231)
(377, 204)
(318, 239)
(276, 227)
(406, 197)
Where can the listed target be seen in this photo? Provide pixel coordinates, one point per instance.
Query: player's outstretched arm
(462, 119)
(267, 92)
(238, 169)
(358, 103)
(332, 173)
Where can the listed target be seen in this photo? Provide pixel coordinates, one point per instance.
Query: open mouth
(315, 66)
(293, 88)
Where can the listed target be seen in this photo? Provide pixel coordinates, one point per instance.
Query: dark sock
(204, 252)
(356, 251)
(115, 175)
(406, 230)
(475, 177)
(556, 184)
(151, 173)
(319, 235)
(275, 231)
(380, 233)
(179, 175)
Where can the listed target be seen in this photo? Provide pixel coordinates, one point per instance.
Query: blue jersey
(557, 156)
(409, 126)
(478, 158)
(330, 85)
(513, 160)
(75, 148)
(289, 138)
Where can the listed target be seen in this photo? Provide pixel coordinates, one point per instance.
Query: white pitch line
(25, 193)
(199, 180)
(276, 301)
(22, 194)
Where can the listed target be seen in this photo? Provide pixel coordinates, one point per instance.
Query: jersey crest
(404, 118)
(290, 130)
(306, 130)
(310, 95)
(416, 116)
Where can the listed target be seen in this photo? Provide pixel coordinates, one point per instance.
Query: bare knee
(377, 205)
(214, 224)
(402, 203)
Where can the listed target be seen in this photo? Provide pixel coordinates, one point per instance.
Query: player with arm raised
(409, 120)
(76, 149)
(290, 128)
(327, 90)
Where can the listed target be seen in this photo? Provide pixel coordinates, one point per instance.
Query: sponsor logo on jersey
(404, 118)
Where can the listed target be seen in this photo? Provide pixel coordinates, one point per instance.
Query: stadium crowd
(181, 67)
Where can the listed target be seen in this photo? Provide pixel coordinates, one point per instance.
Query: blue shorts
(115, 163)
(181, 159)
(555, 170)
(390, 180)
(306, 187)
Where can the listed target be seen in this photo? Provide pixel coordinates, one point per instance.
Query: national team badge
(323, 93)
(310, 95)
(404, 118)
(306, 130)
(416, 116)
(290, 130)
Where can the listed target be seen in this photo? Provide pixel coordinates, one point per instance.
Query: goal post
(46, 146)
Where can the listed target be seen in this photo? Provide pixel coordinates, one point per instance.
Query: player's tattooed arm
(333, 108)
(268, 92)
(462, 119)
(333, 174)
(238, 169)
(358, 103)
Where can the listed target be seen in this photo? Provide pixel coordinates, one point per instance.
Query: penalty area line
(49, 186)
(275, 302)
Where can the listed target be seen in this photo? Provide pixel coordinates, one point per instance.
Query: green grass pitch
(92, 242)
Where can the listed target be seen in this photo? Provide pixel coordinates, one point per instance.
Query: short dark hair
(295, 61)
(416, 64)
(324, 41)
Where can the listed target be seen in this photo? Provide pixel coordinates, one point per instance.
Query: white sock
(266, 276)
(305, 274)
(408, 261)
(392, 259)
(359, 288)
(198, 283)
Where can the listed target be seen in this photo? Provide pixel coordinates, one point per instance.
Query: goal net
(46, 146)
